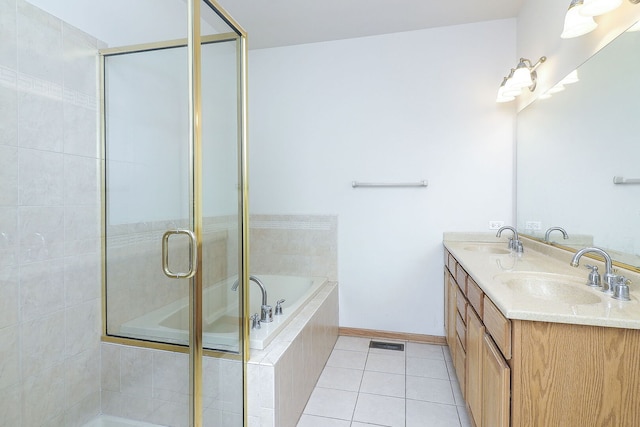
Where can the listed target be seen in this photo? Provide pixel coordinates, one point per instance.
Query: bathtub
(171, 322)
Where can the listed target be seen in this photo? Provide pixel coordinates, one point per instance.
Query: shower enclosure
(174, 205)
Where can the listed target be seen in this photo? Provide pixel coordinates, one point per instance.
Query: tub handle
(279, 306)
(193, 254)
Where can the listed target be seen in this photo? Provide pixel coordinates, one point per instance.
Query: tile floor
(363, 387)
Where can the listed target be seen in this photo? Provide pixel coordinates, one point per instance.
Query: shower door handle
(193, 254)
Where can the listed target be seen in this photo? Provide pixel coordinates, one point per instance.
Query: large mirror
(572, 145)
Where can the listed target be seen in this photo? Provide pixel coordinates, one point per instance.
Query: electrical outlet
(494, 225)
(533, 225)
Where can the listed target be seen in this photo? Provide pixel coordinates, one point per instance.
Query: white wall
(399, 107)
(540, 23)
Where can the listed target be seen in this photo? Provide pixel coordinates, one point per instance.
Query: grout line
(406, 375)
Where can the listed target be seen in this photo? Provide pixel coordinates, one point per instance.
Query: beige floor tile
(432, 368)
(325, 402)
(385, 363)
(422, 414)
(380, 410)
(384, 384)
(426, 351)
(314, 421)
(340, 378)
(352, 344)
(430, 389)
(347, 359)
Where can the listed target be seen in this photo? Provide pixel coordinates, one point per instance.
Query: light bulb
(598, 7)
(572, 77)
(576, 24)
(557, 88)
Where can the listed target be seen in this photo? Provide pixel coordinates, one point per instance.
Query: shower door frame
(195, 349)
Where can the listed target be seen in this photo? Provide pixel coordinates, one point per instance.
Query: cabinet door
(496, 386)
(475, 334)
(451, 311)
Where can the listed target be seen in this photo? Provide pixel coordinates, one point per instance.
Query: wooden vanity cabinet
(472, 349)
(518, 373)
(450, 310)
(456, 318)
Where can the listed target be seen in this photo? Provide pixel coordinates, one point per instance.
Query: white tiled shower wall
(49, 221)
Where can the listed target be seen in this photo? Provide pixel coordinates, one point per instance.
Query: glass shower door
(175, 211)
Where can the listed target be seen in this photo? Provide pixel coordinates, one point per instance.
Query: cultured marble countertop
(582, 304)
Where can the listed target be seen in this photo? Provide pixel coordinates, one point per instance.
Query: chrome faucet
(565, 236)
(267, 312)
(514, 242)
(609, 281)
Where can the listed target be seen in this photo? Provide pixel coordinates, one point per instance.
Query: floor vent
(386, 345)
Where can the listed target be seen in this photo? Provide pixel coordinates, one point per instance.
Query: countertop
(494, 271)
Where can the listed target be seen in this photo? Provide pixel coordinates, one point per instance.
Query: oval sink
(557, 288)
(490, 249)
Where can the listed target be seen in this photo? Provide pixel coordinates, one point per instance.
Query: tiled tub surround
(136, 284)
(49, 221)
(288, 245)
(171, 323)
(152, 385)
(282, 377)
(295, 245)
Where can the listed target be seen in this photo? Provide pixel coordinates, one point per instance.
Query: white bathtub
(170, 323)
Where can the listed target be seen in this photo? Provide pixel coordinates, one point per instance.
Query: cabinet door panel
(459, 363)
(475, 334)
(496, 386)
(451, 311)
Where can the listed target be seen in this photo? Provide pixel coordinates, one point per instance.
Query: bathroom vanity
(532, 345)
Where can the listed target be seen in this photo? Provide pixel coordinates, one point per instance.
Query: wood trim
(403, 336)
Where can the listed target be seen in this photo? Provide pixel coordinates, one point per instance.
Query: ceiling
(274, 23)
(287, 22)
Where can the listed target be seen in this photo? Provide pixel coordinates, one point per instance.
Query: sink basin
(552, 287)
(490, 249)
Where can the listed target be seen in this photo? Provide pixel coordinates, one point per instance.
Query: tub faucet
(267, 312)
(514, 242)
(609, 278)
(565, 236)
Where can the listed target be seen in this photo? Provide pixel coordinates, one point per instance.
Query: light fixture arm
(540, 61)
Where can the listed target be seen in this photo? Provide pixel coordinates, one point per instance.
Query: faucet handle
(518, 247)
(279, 306)
(594, 277)
(621, 290)
(255, 321)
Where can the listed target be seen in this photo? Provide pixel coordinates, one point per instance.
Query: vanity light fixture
(507, 95)
(579, 18)
(571, 78)
(523, 76)
(575, 23)
(599, 7)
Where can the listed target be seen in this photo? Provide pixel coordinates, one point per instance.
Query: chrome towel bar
(423, 183)
(621, 180)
